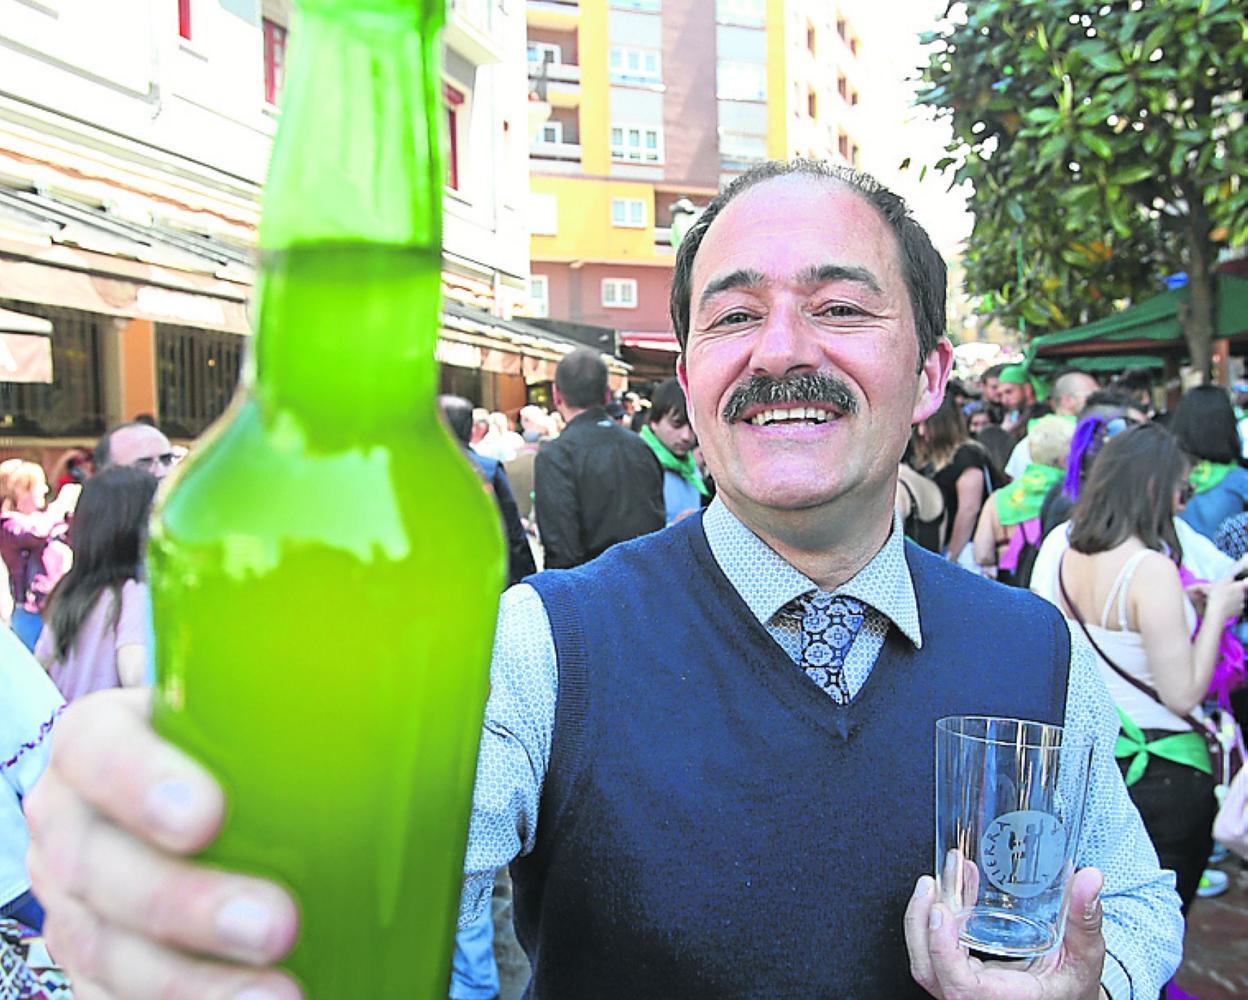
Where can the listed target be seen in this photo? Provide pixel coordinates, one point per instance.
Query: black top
(968, 456)
(594, 485)
(925, 533)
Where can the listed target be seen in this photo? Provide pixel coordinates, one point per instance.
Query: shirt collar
(767, 583)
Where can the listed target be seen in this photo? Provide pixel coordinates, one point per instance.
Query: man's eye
(838, 309)
(736, 316)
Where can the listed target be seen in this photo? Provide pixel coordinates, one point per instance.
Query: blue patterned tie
(829, 623)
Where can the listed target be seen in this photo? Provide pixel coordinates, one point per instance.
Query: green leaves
(1091, 133)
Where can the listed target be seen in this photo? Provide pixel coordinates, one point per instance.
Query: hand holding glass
(1009, 812)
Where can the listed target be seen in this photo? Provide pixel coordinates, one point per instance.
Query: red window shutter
(184, 19)
(274, 60)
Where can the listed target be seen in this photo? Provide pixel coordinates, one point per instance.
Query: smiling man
(708, 754)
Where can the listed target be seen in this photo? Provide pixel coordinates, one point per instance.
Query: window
(274, 60)
(634, 65)
(741, 81)
(812, 104)
(543, 52)
(73, 403)
(197, 372)
(629, 212)
(454, 100)
(740, 146)
(184, 19)
(810, 38)
(853, 98)
(551, 132)
(619, 293)
(841, 29)
(842, 87)
(747, 12)
(853, 46)
(539, 294)
(636, 143)
(842, 146)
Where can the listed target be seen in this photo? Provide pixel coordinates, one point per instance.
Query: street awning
(1152, 327)
(647, 341)
(16, 322)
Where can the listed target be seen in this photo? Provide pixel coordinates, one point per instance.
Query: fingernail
(255, 993)
(173, 805)
(923, 888)
(935, 918)
(1094, 904)
(245, 923)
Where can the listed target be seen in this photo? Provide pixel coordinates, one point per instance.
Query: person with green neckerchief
(1204, 423)
(669, 436)
(1119, 581)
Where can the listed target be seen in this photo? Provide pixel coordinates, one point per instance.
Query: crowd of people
(711, 717)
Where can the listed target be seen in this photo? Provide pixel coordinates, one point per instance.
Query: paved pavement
(1215, 964)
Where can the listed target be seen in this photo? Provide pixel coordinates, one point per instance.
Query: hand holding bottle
(130, 916)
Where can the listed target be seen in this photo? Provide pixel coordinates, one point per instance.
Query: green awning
(1155, 320)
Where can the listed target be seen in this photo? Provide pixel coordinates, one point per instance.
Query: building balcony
(558, 84)
(557, 15)
(470, 31)
(555, 152)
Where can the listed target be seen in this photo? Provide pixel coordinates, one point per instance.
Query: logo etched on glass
(1022, 852)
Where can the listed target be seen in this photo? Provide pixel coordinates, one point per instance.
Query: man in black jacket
(596, 484)
(458, 414)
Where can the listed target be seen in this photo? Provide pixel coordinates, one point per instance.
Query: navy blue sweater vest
(712, 824)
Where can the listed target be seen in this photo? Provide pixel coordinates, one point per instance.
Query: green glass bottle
(325, 570)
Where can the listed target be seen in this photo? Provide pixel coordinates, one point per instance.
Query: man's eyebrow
(741, 278)
(820, 274)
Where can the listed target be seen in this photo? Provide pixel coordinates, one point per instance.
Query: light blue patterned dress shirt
(1142, 926)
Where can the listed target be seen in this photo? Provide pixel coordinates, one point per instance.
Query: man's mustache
(809, 387)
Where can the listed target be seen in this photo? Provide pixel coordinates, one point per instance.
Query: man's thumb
(1083, 922)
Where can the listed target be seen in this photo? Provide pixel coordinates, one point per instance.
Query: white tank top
(1126, 649)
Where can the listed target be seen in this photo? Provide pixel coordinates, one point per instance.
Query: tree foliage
(1106, 145)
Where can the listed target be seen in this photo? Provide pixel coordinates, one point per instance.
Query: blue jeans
(25, 909)
(474, 974)
(27, 625)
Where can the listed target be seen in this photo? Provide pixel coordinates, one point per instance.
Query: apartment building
(134, 139)
(643, 109)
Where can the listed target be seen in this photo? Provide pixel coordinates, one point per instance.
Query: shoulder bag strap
(1133, 681)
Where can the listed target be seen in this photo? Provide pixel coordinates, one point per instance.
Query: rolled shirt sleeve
(1143, 923)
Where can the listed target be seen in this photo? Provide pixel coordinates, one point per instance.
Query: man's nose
(783, 344)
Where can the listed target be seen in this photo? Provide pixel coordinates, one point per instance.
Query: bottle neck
(348, 292)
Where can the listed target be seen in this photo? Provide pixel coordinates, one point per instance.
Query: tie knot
(816, 602)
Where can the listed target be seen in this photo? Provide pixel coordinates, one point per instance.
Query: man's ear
(557, 396)
(933, 377)
(682, 377)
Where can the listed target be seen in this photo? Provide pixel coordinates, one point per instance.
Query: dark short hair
(458, 414)
(1204, 422)
(582, 378)
(668, 397)
(1129, 492)
(922, 266)
(1105, 400)
(993, 372)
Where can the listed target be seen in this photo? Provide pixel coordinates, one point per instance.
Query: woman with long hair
(945, 452)
(32, 544)
(1204, 422)
(95, 633)
(1119, 580)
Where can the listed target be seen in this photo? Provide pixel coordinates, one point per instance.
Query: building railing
(555, 150)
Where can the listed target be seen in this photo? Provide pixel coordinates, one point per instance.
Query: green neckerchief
(1181, 748)
(1206, 475)
(685, 467)
(1022, 499)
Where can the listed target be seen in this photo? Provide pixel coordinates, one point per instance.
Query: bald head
(135, 444)
(1071, 392)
